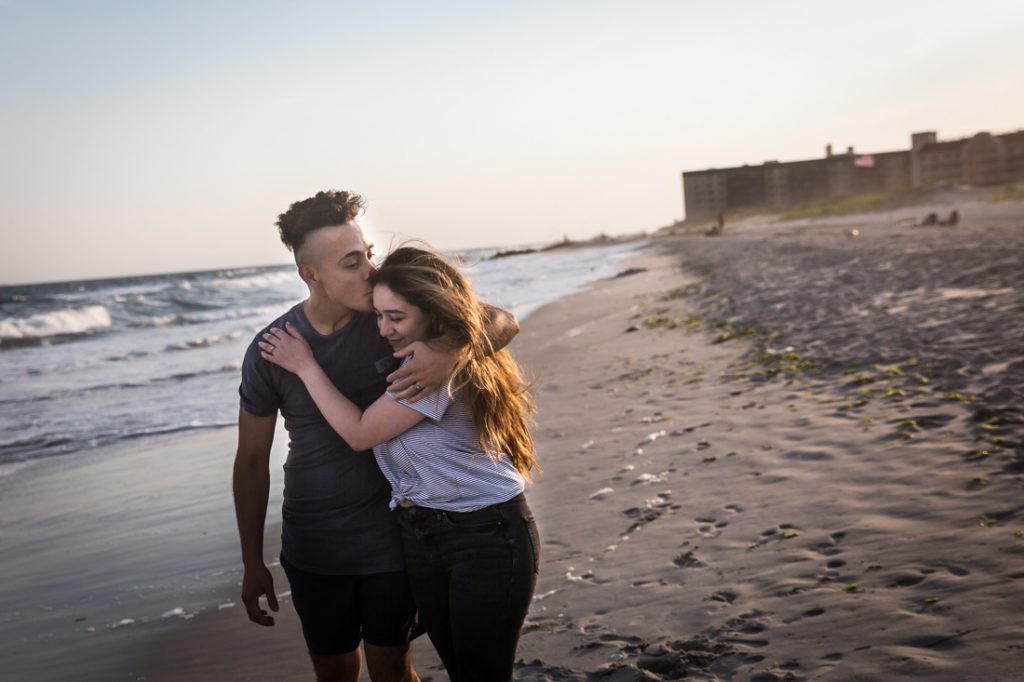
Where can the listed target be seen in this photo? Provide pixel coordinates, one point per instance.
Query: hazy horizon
(142, 139)
(242, 266)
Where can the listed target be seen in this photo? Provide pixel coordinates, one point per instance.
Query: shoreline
(699, 523)
(697, 519)
(146, 606)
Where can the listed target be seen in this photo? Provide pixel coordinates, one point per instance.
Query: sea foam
(56, 323)
(265, 281)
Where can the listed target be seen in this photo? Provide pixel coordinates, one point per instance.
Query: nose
(384, 326)
(368, 269)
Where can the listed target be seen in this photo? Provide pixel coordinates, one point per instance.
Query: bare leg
(390, 663)
(340, 668)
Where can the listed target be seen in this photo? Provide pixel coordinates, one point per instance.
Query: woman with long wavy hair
(458, 460)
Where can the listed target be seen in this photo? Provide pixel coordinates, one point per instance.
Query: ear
(307, 273)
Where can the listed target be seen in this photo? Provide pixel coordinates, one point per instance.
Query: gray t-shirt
(335, 513)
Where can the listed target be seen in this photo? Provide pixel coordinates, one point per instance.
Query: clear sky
(157, 136)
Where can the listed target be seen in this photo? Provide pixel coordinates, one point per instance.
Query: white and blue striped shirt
(439, 463)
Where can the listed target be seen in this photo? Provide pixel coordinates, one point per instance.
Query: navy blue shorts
(337, 611)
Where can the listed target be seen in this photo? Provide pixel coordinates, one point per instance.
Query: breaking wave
(68, 321)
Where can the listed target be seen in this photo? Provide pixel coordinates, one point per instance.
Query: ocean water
(91, 363)
(107, 545)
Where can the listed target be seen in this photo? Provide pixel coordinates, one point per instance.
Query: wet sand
(108, 550)
(735, 489)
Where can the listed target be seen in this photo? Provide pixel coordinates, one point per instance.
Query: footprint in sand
(784, 531)
(808, 456)
(587, 577)
(688, 560)
(831, 546)
(650, 479)
(906, 580)
(651, 510)
(751, 622)
(952, 569)
(746, 641)
(675, 659)
(766, 535)
(545, 623)
(939, 641)
(812, 612)
(620, 474)
(728, 597)
(772, 676)
(933, 421)
(710, 527)
(625, 642)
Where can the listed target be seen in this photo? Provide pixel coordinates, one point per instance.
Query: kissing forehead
(384, 299)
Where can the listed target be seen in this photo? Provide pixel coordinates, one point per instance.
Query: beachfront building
(983, 159)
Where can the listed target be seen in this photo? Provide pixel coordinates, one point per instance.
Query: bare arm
(251, 485)
(432, 365)
(382, 421)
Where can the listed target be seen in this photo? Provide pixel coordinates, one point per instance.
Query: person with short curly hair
(329, 207)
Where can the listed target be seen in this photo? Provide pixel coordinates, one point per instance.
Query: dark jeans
(472, 576)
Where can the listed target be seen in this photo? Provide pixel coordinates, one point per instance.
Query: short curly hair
(327, 208)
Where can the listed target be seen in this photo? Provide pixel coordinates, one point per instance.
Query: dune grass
(860, 203)
(1010, 192)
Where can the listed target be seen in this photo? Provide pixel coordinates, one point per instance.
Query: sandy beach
(725, 499)
(789, 453)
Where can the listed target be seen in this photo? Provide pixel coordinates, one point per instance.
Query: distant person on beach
(340, 545)
(458, 461)
(717, 227)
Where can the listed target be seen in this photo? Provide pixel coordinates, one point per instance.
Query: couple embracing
(400, 358)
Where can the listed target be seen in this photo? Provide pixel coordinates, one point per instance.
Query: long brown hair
(491, 382)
